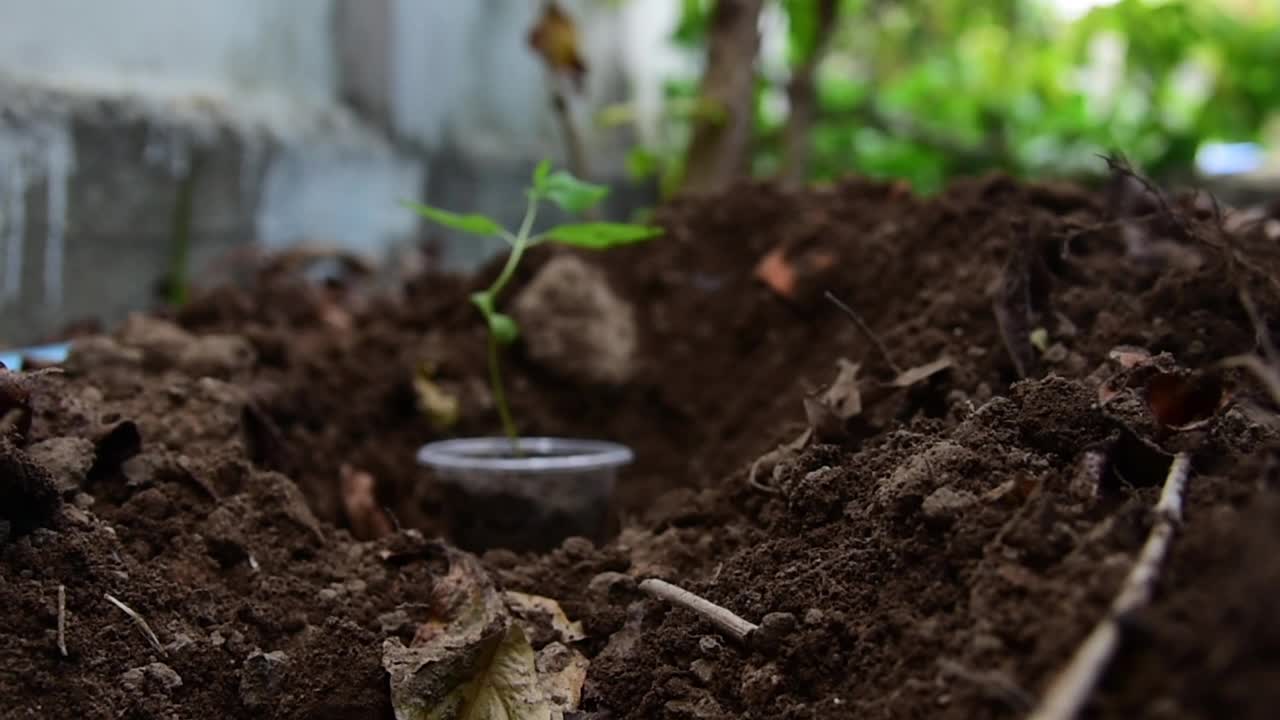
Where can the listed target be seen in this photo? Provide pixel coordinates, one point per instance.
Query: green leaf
(540, 174)
(601, 235)
(474, 224)
(503, 328)
(570, 193)
(484, 301)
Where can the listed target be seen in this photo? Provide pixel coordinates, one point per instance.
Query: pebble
(262, 677)
(774, 629)
(156, 674)
(607, 585)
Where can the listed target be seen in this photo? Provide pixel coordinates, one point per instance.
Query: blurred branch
(797, 143)
(720, 151)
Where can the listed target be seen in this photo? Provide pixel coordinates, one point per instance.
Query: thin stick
(142, 623)
(62, 620)
(1072, 687)
(866, 330)
(993, 684)
(723, 619)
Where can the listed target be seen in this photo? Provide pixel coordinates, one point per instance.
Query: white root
(1072, 687)
(735, 626)
(141, 622)
(62, 620)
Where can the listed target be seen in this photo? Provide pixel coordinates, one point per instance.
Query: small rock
(760, 684)
(946, 503)
(67, 459)
(703, 669)
(219, 356)
(611, 585)
(261, 678)
(710, 645)
(814, 616)
(575, 325)
(577, 547)
(393, 622)
(180, 642)
(774, 629)
(160, 341)
(157, 675)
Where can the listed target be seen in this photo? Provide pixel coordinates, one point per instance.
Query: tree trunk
(797, 143)
(721, 144)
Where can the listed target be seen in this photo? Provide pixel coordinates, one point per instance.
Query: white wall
(221, 47)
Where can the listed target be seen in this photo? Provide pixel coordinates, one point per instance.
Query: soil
(241, 473)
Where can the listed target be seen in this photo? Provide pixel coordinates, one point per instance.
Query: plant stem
(517, 249)
(495, 368)
(500, 393)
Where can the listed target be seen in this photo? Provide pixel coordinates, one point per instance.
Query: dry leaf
(555, 39)
(829, 413)
(777, 272)
(539, 613)
(472, 660)
(1130, 356)
(920, 373)
(458, 678)
(440, 407)
(1185, 401)
(562, 672)
(359, 501)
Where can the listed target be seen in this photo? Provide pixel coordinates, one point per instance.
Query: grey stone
(262, 677)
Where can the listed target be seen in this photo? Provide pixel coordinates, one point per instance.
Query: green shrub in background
(929, 89)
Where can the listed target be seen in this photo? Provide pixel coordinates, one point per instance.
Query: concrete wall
(289, 120)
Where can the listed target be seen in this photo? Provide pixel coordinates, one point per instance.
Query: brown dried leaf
(359, 501)
(829, 413)
(915, 375)
(441, 408)
(1185, 401)
(540, 614)
(1129, 356)
(555, 39)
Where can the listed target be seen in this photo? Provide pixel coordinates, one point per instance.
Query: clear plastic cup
(531, 499)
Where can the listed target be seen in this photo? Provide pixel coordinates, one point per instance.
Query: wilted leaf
(1185, 401)
(541, 614)
(829, 412)
(359, 502)
(464, 600)
(492, 678)
(912, 376)
(1129, 356)
(440, 407)
(562, 671)
(555, 39)
(472, 659)
(601, 235)
(474, 224)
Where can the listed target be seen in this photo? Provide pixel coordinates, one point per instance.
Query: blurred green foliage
(929, 89)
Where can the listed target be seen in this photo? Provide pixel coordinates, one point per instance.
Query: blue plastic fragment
(54, 353)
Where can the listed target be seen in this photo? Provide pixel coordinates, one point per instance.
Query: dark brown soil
(943, 559)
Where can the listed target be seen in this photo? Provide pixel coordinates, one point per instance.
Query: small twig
(866, 330)
(62, 620)
(1120, 164)
(1262, 335)
(992, 683)
(141, 622)
(1072, 687)
(723, 619)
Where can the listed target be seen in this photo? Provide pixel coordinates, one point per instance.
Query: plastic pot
(530, 499)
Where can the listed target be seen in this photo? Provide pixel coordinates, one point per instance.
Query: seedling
(571, 194)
